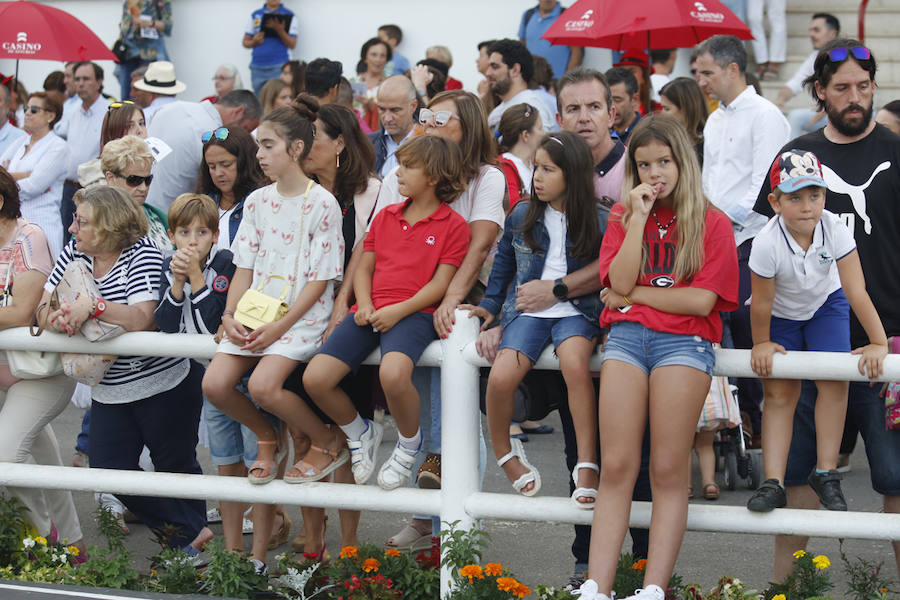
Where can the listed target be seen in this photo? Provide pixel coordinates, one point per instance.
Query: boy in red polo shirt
(411, 253)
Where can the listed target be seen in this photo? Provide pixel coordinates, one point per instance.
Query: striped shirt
(134, 278)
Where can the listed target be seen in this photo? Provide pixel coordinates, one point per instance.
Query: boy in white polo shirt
(806, 275)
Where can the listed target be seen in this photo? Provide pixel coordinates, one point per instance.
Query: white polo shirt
(803, 279)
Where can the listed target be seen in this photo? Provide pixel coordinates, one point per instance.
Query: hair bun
(306, 105)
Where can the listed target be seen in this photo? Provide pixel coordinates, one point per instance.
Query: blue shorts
(530, 335)
(648, 349)
(865, 410)
(351, 343)
(828, 330)
(229, 441)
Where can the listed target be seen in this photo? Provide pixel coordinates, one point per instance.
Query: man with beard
(509, 70)
(861, 165)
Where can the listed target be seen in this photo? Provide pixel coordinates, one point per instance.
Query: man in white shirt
(85, 124)
(181, 125)
(397, 105)
(741, 139)
(662, 63)
(823, 28)
(157, 88)
(9, 133)
(508, 73)
(72, 101)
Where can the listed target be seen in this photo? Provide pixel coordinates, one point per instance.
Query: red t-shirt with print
(406, 256)
(719, 272)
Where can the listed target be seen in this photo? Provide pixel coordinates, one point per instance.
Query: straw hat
(160, 79)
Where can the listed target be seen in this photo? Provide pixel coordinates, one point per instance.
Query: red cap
(634, 57)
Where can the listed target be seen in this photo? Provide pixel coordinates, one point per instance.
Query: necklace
(663, 229)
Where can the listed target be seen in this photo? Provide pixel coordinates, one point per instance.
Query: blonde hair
(688, 201)
(124, 152)
(117, 221)
(441, 53)
(188, 207)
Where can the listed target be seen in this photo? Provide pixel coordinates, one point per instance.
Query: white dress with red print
(273, 230)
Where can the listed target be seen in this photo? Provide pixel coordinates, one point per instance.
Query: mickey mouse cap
(796, 169)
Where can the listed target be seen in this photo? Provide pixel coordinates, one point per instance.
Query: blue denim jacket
(516, 263)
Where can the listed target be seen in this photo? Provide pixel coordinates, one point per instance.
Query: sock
(355, 428)
(822, 471)
(414, 443)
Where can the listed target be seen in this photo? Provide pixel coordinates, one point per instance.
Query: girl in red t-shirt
(669, 264)
(519, 133)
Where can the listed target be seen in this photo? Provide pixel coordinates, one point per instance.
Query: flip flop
(309, 472)
(583, 492)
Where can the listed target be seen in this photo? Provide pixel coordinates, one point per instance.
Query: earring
(337, 160)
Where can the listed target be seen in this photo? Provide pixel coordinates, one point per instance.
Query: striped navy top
(134, 278)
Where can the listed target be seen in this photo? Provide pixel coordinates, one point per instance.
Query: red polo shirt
(406, 256)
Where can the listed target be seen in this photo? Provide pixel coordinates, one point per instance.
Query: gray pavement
(540, 552)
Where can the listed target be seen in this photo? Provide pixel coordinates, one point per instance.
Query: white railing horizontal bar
(835, 366)
(732, 519)
(213, 487)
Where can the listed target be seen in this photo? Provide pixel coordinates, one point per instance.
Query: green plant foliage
(230, 574)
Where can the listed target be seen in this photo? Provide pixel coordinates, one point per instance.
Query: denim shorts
(648, 349)
(229, 441)
(530, 335)
(865, 410)
(351, 343)
(828, 330)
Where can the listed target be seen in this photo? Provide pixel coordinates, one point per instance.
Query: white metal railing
(459, 498)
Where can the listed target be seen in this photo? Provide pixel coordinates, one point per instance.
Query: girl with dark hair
(555, 232)
(229, 171)
(293, 73)
(122, 118)
(683, 99)
(519, 133)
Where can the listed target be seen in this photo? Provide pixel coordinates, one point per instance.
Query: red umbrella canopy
(649, 24)
(30, 30)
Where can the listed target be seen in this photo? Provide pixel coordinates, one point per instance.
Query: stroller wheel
(755, 470)
(730, 474)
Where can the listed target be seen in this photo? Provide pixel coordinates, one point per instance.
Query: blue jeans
(530, 335)
(260, 75)
(81, 442)
(647, 349)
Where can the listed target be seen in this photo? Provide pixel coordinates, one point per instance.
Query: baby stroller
(733, 457)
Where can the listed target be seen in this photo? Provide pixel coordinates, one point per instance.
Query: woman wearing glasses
(38, 164)
(121, 119)
(126, 164)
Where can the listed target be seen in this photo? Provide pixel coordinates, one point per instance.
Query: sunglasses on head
(136, 180)
(116, 105)
(441, 118)
(33, 109)
(221, 134)
(841, 54)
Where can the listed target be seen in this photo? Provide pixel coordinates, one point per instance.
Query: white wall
(207, 33)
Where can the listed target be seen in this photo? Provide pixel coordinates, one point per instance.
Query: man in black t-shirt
(861, 165)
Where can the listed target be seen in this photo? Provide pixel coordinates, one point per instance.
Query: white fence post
(460, 423)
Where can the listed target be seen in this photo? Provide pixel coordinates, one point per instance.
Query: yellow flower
(493, 569)
(779, 596)
(473, 572)
(507, 584)
(392, 552)
(41, 540)
(370, 565)
(521, 590)
(349, 552)
(799, 554)
(74, 551)
(821, 562)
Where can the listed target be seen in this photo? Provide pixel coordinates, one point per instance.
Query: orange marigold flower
(493, 569)
(370, 565)
(521, 590)
(639, 565)
(473, 572)
(507, 584)
(349, 552)
(392, 552)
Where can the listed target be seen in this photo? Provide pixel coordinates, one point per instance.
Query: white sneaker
(590, 591)
(651, 592)
(363, 451)
(246, 526)
(213, 516)
(397, 470)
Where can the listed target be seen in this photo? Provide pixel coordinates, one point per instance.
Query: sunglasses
(116, 105)
(841, 54)
(221, 134)
(34, 109)
(136, 180)
(441, 118)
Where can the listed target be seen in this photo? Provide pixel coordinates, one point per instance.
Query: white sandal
(531, 476)
(583, 492)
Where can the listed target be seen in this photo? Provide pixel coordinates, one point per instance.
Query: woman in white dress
(38, 164)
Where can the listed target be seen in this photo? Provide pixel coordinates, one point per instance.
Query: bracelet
(228, 313)
(627, 301)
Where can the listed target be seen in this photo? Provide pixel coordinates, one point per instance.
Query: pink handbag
(892, 396)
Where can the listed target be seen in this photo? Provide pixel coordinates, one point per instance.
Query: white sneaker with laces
(651, 592)
(397, 470)
(589, 590)
(363, 451)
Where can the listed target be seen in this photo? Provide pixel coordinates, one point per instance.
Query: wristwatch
(99, 308)
(560, 290)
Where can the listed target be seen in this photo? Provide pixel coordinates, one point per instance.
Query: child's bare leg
(574, 359)
(703, 445)
(320, 380)
(349, 518)
(622, 415)
(671, 438)
(314, 519)
(781, 396)
(509, 368)
(233, 512)
(395, 375)
(263, 519)
(831, 410)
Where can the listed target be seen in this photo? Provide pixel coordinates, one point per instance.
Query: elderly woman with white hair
(227, 79)
(126, 164)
